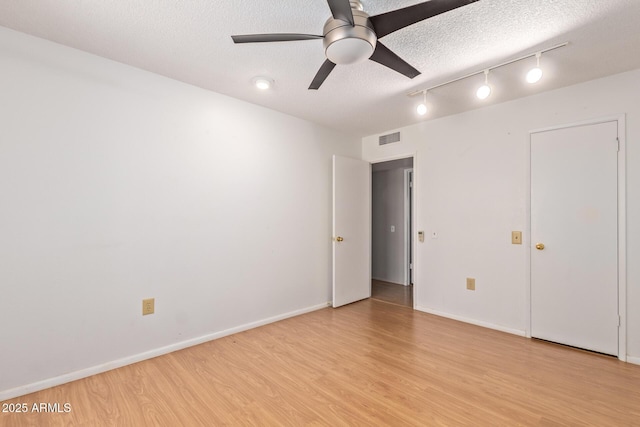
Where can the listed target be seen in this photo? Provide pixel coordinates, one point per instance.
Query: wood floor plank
(368, 363)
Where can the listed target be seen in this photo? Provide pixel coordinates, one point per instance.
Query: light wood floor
(368, 363)
(392, 293)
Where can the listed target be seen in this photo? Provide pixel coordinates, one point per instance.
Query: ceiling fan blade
(383, 55)
(387, 23)
(341, 9)
(282, 37)
(322, 74)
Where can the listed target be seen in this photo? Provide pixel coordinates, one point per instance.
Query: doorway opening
(391, 231)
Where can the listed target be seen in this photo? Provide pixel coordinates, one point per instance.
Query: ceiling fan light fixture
(350, 35)
(349, 51)
(349, 44)
(262, 83)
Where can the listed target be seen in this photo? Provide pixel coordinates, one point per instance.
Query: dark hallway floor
(392, 293)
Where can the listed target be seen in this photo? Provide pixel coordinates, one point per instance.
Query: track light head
(485, 90)
(535, 74)
(422, 108)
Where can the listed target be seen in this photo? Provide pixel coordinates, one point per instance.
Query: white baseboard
(634, 360)
(472, 321)
(83, 373)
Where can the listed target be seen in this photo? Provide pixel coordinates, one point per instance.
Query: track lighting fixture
(483, 92)
(422, 108)
(535, 74)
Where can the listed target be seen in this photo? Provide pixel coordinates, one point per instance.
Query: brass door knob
(339, 239)
(540, 246)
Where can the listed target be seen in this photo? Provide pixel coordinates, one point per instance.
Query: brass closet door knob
(339, 239)
(540, 246)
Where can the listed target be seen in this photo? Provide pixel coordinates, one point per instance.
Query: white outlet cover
(393, 228)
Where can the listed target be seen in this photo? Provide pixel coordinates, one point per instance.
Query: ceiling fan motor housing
(347, 44)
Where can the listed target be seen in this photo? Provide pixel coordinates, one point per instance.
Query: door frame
(414, 212)
(408, 225)
(622, 227)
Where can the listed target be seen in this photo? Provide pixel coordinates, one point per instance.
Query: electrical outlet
(471, 284)
(148, 306)
(516, 237)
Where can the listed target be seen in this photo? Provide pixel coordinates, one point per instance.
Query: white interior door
(351, 230)
(574, 214)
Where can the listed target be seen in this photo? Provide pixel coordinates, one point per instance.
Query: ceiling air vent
(389, 139)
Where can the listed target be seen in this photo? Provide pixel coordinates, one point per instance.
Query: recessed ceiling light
(262, 83)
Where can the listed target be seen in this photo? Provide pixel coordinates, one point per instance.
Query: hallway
(392, 293)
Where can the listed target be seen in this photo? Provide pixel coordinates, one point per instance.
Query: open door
(351, 230)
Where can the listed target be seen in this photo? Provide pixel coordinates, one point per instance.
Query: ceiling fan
(351, 36)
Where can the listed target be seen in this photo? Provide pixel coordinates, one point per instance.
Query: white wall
(118, 185)
(471, 188)
(387, 247)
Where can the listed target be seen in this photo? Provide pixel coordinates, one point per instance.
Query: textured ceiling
(190, 41)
